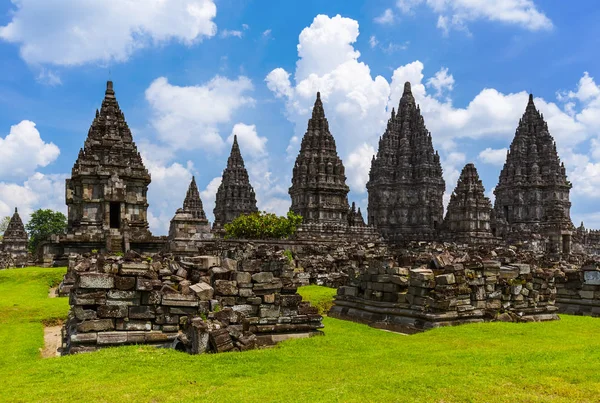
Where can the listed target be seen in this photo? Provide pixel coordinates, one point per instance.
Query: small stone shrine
(190, 223)
(14, 242)
(469, 211)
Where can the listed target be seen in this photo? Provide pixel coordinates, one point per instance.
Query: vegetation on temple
(43, 224)
(263, 225)
(499, 362)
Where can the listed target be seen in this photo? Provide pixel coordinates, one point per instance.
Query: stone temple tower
(532, 196)
(235, 195)
(106, 194)
(14, 241)
(319, 192)
(406, 187)
(469, 211)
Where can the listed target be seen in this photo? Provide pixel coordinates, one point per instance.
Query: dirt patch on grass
(52, 342)
(52, 292)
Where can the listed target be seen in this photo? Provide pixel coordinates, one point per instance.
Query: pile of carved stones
(195, 304)
(431, 288)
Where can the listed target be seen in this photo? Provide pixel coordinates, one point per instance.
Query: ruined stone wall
(578, 290)
(195, 304)
(330, 263)
(448, 291)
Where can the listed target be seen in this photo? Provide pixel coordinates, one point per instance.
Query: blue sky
(190, 73)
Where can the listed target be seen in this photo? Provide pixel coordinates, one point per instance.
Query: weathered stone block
(134, 268)
(107, 338)
(203, 291)
(144, 284)
(124, 283)
(268, 311)
(445, 279)
(224, 287)
(592, 277)
(180, 300)
(243, 277)
(96, 280)
(142, 312)
(96, 325)
(112, 311)
(262, 277)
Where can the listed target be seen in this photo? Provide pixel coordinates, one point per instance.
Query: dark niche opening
(115, 215)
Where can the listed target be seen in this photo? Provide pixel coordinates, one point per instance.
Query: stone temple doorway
(115, 215)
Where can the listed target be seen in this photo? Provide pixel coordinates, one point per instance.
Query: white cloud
(74, 32)
(48, 77)
(267, 33)
(188, 117)
(455, 14)
(441, 81)
(386, 18)
(493, 157)
(249, 140)
(38, 191)
(208, 195)
(358, 165)
(373, 41)
(22, 151)
(226, 33)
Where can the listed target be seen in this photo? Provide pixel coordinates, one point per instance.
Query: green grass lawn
(495, 362)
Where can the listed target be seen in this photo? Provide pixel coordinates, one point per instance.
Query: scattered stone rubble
(198, 304)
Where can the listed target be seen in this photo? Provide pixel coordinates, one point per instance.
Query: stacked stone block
(448, 291)
(199, 304)
(578, 290)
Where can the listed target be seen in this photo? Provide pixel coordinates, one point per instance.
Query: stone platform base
(585, 307)
(390, 316)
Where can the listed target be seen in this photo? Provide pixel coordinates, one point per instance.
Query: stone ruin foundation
(434, 289)
(196, 304)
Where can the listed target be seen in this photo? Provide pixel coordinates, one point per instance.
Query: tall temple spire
(405, 185)
(235, 195)
(193, 203)
(319, 192)
(533, 188)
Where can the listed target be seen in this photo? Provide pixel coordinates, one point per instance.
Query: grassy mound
(495, 362)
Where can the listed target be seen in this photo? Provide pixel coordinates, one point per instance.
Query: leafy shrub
(289, 255)
(263, 225)
(43, 224)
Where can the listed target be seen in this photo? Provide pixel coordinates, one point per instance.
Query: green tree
(44, 223)
(3, 226)
(263, 226)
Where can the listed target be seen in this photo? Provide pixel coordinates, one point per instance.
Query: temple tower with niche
(107, 192)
